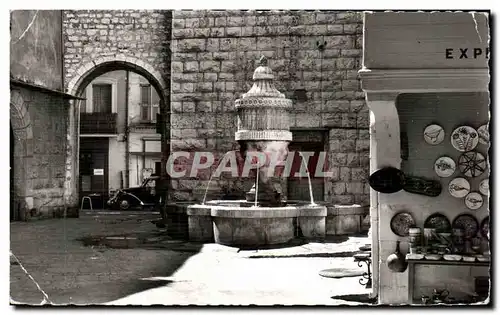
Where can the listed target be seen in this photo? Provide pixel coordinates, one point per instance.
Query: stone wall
(39, 117)
(44, 161)
(91, 35)
(315, 57)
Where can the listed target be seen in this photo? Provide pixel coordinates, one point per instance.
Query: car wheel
(124, 204)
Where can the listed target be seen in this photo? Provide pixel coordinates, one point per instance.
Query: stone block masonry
(139, 35)
(315, 57)
(44, 157)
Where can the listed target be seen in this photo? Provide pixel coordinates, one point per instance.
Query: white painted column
(384, 151)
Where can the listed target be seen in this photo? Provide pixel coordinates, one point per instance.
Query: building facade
(413, 77)
(209, 57)
(315, 57)
(119, 146)
(42, 127)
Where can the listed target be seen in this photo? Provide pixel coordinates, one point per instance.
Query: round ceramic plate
(484, 187)
(464, 138)
(472, 164)
(485, 227)
(387, 180)
(467, 223)
(474, 200)
(439, 222)
(434, 134)
(444, 166)
(459, 187)
(484, 134)
(401, 223)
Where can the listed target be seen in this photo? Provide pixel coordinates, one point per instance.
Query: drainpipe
(127, 149)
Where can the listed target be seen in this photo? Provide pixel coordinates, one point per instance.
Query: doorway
(94, 155)
(298, 186)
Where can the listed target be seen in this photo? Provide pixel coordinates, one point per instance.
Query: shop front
(426, 79)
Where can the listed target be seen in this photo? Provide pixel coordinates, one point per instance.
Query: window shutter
(145, 94)
(101, 98)
(155, 97)
(145, 112)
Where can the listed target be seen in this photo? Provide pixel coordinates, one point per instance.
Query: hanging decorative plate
(472, 164)
(484, 134)
(401, 223)
(485, 227)
(439, 222)
(459, 187)
(467, 223)
(422, 186)
(434, 134)
(387, 180)
(464, 138)
(484, 187)
(474, 200)
(444, 166)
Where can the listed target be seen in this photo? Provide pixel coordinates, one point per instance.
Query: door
(94, 169)
(298, 187)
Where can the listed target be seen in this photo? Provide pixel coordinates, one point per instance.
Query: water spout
(309, 179)
(211, 175)
(256, 187)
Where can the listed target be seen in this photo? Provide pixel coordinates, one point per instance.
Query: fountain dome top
(263, 86)
(263, 112)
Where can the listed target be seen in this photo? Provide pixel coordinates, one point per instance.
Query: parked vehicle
(142, 197)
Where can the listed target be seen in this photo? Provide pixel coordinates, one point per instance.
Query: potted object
(397, 261)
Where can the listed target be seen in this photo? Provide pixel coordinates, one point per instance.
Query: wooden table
(413, 262)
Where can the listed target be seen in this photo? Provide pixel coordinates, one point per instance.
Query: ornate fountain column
(264, 126)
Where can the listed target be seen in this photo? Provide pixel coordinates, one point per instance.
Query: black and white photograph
(249, 157)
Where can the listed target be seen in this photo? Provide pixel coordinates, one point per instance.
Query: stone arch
(20, 117)
(86, 73)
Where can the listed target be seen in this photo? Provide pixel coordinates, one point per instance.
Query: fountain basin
(229, 223)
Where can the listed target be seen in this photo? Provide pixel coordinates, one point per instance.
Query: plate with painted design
(464, 138)
(444, 166)
(484, 134)
(474, 200)
(468, 223)
(401, 223)
(484, 187)
(459, 187)
(434, 134)
(472, 164)
(439, 222)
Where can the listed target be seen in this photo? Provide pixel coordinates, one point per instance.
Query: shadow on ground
(92, 261)
(360, 298)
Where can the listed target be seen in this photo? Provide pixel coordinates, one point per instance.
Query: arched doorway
(115, 143)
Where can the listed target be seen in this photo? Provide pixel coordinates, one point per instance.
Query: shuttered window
(101, 98)
(150, 102)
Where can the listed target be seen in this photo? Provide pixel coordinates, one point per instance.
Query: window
(101, 98)
(149, 103)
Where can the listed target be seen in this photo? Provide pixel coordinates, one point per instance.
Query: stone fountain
(265, 217)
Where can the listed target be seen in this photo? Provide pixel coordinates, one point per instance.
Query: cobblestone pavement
(159, 270)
